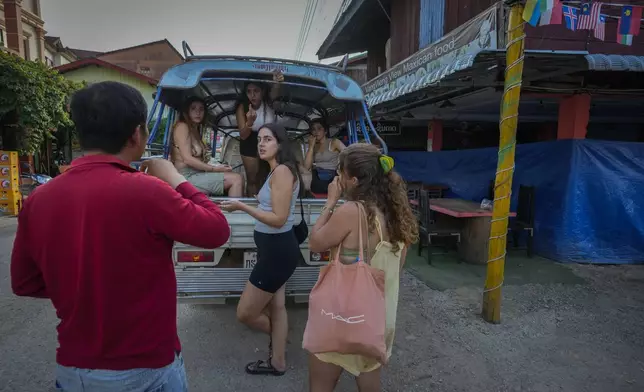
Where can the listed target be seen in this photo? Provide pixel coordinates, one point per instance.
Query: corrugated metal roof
(596, 62)
(354, 28)
(615, 62)
(343, 8)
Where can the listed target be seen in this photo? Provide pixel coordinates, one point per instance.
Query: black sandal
(263, 367)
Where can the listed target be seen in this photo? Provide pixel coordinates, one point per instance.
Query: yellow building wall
(95, 74)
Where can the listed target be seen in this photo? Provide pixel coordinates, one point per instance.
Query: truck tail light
(318, 257)
(195, 256)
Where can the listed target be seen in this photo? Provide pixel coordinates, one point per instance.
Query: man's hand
(164, 170)
(231, 205)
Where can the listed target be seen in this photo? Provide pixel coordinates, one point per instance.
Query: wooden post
(505, 165)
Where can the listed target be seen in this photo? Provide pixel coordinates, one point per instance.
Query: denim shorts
(171, 378)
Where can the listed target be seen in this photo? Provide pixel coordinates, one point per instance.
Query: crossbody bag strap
(301, 207)
(299, 193)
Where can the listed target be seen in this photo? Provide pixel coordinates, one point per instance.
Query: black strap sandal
(263, 367)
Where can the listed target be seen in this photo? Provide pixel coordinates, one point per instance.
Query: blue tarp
(589, 194)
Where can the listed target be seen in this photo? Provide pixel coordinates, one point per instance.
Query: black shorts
(277, 256)
(248, 146)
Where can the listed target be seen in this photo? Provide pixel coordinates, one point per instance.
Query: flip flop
(263, 368)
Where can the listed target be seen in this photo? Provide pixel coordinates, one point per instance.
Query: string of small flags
(587, 16)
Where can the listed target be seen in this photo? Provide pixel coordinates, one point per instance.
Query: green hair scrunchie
(387, 163)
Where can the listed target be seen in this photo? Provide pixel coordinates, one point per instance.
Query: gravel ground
(585, 337)
(553, 337)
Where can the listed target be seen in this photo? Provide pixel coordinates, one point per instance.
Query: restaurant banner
(384, 128)
(441, 58)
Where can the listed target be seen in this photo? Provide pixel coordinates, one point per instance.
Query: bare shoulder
(181, 126)
(181, 129)
(281, 177)
(348, 210)
(283, 172)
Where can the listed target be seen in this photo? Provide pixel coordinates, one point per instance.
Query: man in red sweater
(97, 241)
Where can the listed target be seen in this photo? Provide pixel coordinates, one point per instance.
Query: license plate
(250, 259)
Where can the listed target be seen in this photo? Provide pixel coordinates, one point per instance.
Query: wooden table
(474, 223)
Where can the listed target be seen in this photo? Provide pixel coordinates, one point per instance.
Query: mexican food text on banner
(479, 33)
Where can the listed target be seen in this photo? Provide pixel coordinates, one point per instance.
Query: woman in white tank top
(262, 304)
(254, 108)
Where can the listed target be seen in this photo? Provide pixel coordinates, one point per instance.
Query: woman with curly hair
(372, 190)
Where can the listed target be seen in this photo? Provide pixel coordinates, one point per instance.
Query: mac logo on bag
(350, 320)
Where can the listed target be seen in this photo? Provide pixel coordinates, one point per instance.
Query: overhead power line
(308, 29)
(305, 18)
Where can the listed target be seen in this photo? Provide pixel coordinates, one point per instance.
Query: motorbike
(29, 182)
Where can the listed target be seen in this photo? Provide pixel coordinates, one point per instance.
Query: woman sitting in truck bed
(322, 156)
(189, 154)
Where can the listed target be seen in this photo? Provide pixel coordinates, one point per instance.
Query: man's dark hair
(106, 115)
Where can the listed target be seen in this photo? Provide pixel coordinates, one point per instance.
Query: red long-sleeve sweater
(97, 241)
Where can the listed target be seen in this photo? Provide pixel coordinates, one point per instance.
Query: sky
(238, 27)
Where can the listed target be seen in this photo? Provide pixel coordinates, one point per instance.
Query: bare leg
(250, 310)
(233, 184)
(306, 179)
(251, 167)
(279, 328)
(323, 377)
(369, 382)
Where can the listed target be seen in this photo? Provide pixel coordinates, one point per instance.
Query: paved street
(554, 337)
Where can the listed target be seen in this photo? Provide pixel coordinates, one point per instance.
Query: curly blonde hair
(377, 189)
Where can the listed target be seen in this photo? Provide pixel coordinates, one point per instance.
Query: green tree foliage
(33, 100)
(158, 138)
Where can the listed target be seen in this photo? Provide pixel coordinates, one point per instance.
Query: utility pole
(505, 165)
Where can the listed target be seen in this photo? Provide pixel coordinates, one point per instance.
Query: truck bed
(224, 276)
